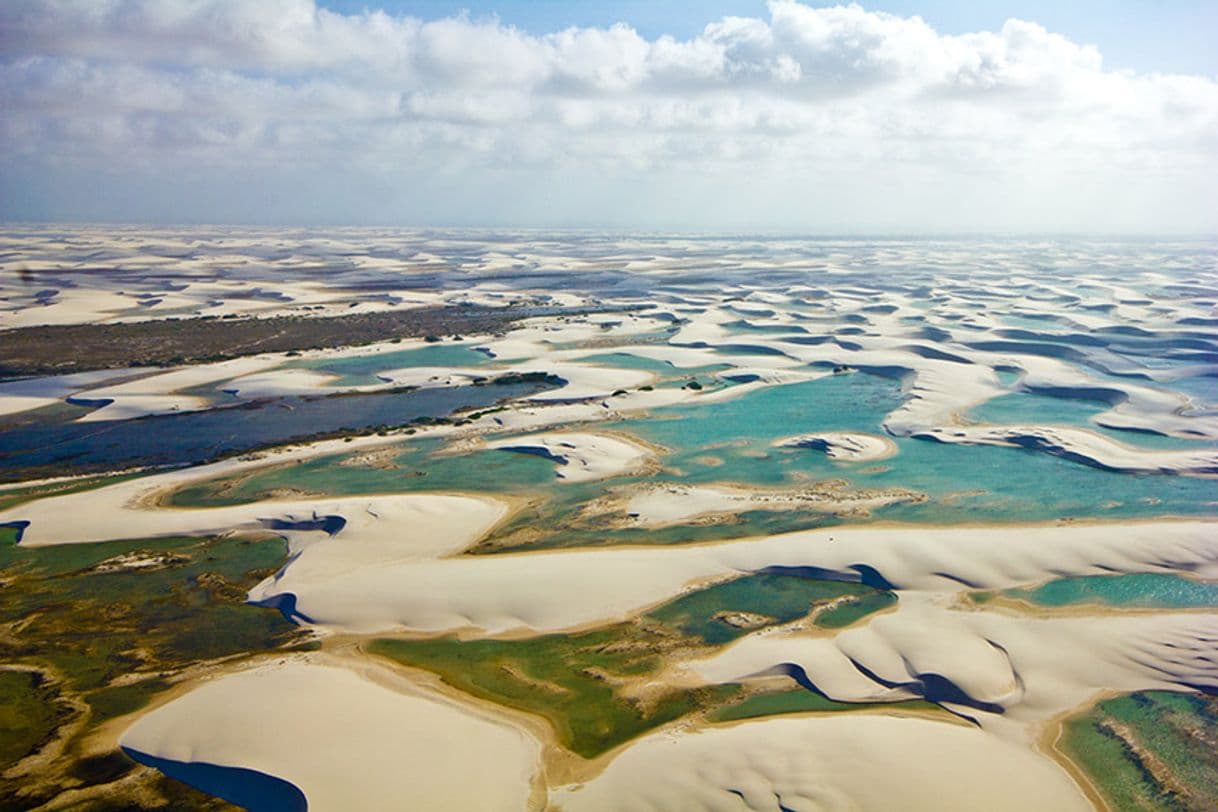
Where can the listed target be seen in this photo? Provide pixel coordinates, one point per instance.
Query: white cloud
(849, 103)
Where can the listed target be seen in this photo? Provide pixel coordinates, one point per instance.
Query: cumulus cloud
(810, 103)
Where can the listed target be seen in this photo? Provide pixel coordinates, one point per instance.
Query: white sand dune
(70, 307)
(944, 382)
(582, 456)
(384, 530)
(347, 740)
(128, 407)
(770, 376)
(286, 382)
(36, 393)
(844, 446)
(704, 328)
(160, 393)
(432, 377)
(584, 381)
(380, 528)
(864, 762)
(153, 391)
(563, 589)
(531, 416)
(693, 357)
(553, 590)
(534, 338)
(1081, 445)
(664, 504)
(1134, 406)
(1010, 673)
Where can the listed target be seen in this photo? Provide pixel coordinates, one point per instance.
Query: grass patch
(91, 613)
(95, 619)
(573, 681)
(12, 497)
(595, 687)
(28, 714)
(727, 611)
(799, 700)
(112, 702)
(1155, 750)
(855, 609)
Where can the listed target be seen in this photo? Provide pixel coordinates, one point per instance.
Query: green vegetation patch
(119, 700)
(595, 688)
(1154, 750)
(800, 700)
(726, 611)
(98, 611)
(96, 617)
(11, 497)
(847, 612)
(28, 714)
(574, 681)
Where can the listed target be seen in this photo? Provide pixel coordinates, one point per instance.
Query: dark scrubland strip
(66, 348)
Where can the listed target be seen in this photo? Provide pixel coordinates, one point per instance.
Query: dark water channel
(62, 448)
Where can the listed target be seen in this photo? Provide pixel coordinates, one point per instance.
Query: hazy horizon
(641, 232)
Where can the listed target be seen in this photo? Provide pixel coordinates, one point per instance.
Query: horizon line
(781, 233)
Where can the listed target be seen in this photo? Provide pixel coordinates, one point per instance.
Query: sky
(1163, 36)
(898, 117)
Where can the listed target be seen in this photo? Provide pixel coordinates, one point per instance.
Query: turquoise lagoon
(1146, 590)
(733, 441)
(361, 370)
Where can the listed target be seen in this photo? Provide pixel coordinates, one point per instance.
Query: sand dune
(664, 504)
(385, 527)
(826, 763)
(582, 456)
(553, 590)
(844, 446)
(563, 589)
(1010, 673)
(373, 743)
(1080, 445)
(160, 392)
(36, 393)
(286, 382)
